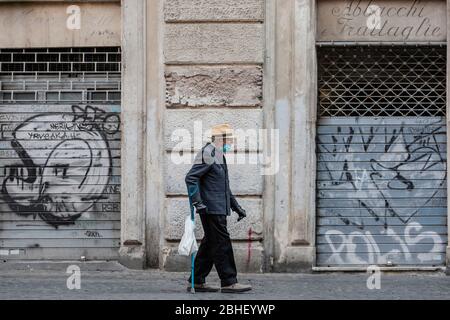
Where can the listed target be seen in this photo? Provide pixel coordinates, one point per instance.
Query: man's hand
(241, 213)
(201, 208)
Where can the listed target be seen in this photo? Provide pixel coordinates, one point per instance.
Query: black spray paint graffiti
(382, 178)
(63, 179)
(406, 159)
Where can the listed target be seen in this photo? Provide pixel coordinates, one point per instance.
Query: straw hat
(222, 130)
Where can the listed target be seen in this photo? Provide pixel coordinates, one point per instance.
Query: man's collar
(212, 143)
(218, 151)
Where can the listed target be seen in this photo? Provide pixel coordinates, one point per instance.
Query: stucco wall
(41, 24)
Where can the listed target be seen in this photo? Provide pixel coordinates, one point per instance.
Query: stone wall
(214, 54)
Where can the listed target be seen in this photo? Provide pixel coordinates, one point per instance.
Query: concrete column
(295, 114)
(142, 200)
(283, 106)
(132, 250)
(302, 218)
(155, 106)
(269, 123)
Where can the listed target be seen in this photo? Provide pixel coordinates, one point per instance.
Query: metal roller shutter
(381, 152)
(60, 153)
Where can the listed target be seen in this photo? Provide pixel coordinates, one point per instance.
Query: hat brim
(227, 136)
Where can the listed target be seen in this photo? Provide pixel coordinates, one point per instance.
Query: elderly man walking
(210, 194)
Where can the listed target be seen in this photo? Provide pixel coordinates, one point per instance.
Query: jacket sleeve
(233, 202)
(201, 166)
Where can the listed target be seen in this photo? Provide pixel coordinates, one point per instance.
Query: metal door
(381, 156)
(60, 153)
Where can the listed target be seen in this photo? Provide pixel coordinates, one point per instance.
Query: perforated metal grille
(60, 75)
(387, 81)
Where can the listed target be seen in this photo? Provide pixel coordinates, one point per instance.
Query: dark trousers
(215, 249)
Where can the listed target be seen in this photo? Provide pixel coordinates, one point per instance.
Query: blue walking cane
(191, 191)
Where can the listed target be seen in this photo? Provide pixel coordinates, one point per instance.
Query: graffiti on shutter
(382, 156)
(60, 153)
(61, 172)
(382, 191)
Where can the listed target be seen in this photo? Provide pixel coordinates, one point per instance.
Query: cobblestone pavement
(148, 284)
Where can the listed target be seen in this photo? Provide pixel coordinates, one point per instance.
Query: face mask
(226, 148)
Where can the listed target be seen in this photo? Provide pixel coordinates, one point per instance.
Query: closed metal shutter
(381, 152)
(60, 153)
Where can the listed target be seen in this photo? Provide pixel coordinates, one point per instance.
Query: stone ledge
(245, 179)
(296, 259)
(181, 123)
(209, 10)
(251, 226)
(248, 259)
(225, 86)
(214, 43)
(132, 257)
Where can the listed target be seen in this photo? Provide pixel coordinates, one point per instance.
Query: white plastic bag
(188, 243)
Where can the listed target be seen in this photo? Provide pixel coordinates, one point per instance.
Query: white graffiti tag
(346, 248)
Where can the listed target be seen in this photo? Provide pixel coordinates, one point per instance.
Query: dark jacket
(208, 183)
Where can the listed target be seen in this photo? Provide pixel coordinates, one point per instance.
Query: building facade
(341, 107)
